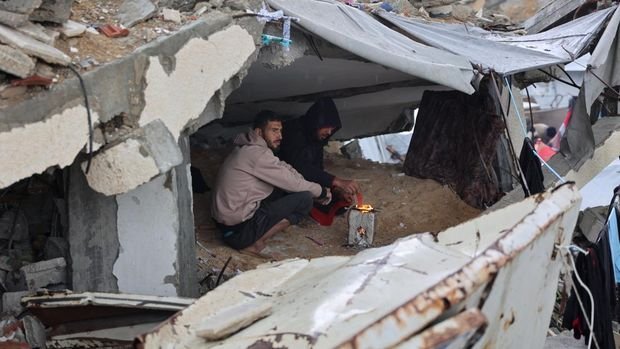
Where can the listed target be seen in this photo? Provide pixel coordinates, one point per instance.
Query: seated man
(247, 205)
(303, 142)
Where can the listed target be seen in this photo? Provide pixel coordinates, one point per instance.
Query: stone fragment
(11, 302)
(12, 19)
(237, 5)
(20, 6)
(12, 92)
(171, 15)
(462, 12)
(41, 274)
(132, 12)
(440, 11)
(147, 152)
(232, 319)
(181, 5)
(32, 47)
(57, 11)
(15, 62)
(71, 28)
(44, 70)
(34, 331)
(38, 32)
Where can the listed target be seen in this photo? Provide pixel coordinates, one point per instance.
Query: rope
(89, 116)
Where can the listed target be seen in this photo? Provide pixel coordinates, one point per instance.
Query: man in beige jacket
(256, 195)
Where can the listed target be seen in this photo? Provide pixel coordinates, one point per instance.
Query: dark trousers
(276, 207)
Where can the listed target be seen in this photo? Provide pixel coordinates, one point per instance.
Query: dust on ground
(407, 205)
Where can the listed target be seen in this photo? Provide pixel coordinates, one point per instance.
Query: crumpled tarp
(358, 32)
(506, 54)
(605, 65)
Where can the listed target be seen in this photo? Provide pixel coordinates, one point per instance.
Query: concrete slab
(132, 12)
(15, 62)
(12, 19)
(41, 274)
(39, 32)
(32, 47)
(20, 6)
(148, 152)
(57, 11)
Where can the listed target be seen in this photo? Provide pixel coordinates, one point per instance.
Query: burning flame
(364, 208)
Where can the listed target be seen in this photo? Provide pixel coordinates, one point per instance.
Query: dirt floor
(407, 206)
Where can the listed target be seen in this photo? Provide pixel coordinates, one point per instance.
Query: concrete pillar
(151, 229)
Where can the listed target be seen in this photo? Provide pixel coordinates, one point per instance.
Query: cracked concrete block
(41, 274)
(133, 12)
(15, 62)
(148, 152)
(20, 6)
(38, 32)
(57, 11)
(71, 28)
(12, 19)
(12, 302)
(32, 47)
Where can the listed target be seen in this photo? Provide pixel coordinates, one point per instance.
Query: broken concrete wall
(172, 79)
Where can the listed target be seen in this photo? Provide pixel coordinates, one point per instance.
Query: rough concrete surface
(93, 237)
(35, 147)
(133, 12)
(32, 47)
(57, 11)
(15, 62)
(11, 302)
(147, 153)
(182, 95)
(12, 19)
(148, 226)
(44, 273)
(20, 6)
(38, 32)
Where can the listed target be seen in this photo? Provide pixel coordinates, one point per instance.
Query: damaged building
(110, 111)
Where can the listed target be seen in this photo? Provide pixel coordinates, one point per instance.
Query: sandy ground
(407, 206)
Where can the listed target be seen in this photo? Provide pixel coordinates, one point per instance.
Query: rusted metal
(502, 265)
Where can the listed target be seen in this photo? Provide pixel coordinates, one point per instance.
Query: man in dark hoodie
(303, 142)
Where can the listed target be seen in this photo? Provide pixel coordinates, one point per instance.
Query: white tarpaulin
(506, 54)
(358, 32)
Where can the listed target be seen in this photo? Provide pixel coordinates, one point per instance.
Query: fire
(364, 208)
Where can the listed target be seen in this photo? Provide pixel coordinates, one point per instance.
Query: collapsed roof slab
(175, 79)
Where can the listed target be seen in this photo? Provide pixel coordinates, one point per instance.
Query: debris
(232, 319)
(133, 12)
(171, 15)
(15, 62)
(45, 273)
(34, 80)
(88, 63)
(44, 70)
(314, 240)
(12, 19)
(57, 11)
(20, 6)
(11, 302)
(55, 247)
(12, 92)
(73, 50)
(39, 32)
(70, 29)
(32, 47)
(113, 31)
(34, 331)
(200, 8)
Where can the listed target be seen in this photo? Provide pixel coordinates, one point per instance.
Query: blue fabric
(614, 242)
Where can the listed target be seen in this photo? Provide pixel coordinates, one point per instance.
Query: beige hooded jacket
(248, 176)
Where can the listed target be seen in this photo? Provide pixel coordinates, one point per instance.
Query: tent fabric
(506, 54)
(358, 32)
(604, 64)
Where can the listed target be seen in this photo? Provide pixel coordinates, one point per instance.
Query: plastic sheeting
(506, 54)
(358, 32)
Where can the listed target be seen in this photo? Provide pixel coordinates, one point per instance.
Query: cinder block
(41, 274)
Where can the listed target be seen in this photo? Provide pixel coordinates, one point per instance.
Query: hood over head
(249, 138)
(323, 113)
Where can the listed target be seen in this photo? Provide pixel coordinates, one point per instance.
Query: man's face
(272, 134)
(324, 132)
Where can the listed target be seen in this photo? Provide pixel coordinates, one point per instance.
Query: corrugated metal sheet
(504, 264)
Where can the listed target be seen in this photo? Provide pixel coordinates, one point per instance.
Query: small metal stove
(361, 219)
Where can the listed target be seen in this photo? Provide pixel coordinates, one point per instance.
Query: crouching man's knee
(305, 201)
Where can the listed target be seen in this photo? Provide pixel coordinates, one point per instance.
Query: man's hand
(348, 186)
(327, 199)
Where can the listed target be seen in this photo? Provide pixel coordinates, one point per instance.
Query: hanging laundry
(531, 168)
